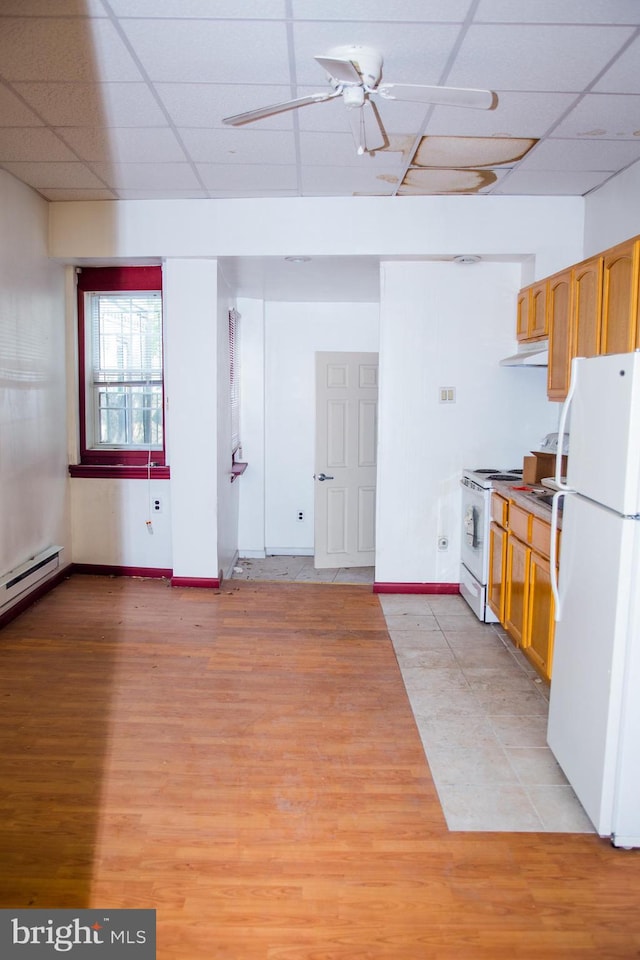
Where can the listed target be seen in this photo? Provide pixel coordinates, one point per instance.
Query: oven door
(475, 532)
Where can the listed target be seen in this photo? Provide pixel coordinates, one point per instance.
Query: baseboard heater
(30, 573)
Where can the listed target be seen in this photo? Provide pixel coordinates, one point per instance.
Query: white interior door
(346, 443)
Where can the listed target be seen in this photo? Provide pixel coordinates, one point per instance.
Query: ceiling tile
(239, 145)
(603, 155)
(135, 176)
(423, 182)
(247, 176)
(550, 183)
(468, 152)
(417, 54)
(43, 175)
(206, 104)
(123, 144)
(32, 143)
(326, 181)
(623, 76)
(551, 11)
(205, 51)
(339, 150)
(89, 104)
(369, 10)
(564, 58)
(607, 115)
(517, 115)
(14, 112)
(205, 9)
(45, 8)
(54, 49)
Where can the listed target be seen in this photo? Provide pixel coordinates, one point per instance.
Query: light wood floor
(246, 763)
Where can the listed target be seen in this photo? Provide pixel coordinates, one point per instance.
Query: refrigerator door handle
(553, 556)
(564, 413)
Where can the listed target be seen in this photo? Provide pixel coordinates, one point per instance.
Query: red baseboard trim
(416, 588)
(106, 570)
(208, 583)
(25, 602)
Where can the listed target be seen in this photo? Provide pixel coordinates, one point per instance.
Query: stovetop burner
(483, 477)
(497, 470)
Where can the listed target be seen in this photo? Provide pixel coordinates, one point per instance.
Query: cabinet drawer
(499, 509)
(520, 522)
(540, 536)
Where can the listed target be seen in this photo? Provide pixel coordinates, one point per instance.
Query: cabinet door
(497, 557)
(620, 299)
(522, 316)
(560, 335)
(538, 322)
(587, 307)
(538, 637)
(515, 614)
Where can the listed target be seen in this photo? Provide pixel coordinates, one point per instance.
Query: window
(121, 366)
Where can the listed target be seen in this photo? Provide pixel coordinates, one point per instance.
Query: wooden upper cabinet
(587, 307)
(522, 315)
(538, 320)
(620, 298)
(559, 297)
(532, 322)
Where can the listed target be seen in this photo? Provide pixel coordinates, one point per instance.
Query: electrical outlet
(157, 505)
(300, 516)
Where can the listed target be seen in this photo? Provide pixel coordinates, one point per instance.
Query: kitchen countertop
(526, 498)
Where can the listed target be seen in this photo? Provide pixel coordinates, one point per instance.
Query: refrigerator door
(598, 581)
(604, 444)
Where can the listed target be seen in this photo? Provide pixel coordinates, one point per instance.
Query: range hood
(529, 355)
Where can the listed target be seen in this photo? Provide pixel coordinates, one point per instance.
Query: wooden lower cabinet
(538, 636)
(516, 593)
(497, 561)
(525, 589)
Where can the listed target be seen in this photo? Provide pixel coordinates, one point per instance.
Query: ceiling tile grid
(108, 99)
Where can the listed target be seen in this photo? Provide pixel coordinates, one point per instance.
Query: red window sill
(119, 472)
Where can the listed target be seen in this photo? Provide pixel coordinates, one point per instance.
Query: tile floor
(298, 568)
(479, 706)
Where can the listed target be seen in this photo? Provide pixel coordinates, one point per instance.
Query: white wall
(190, 295)
(294, 332)
(612, 214)
(549, 229)
(34, 510)
(228, 493)
(109, 523)
(446, 325)
(251, 521)
(436, 324)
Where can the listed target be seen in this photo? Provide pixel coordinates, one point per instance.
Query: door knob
(323, 476)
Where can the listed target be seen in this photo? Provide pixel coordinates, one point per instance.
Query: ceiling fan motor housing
(367, 60)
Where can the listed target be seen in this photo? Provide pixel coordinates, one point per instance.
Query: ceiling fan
(354, 73)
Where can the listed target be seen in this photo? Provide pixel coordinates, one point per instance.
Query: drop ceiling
(124, 99)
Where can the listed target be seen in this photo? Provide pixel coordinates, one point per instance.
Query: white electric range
(477, 485)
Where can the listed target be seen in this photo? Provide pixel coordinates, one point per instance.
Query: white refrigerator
(594, 706)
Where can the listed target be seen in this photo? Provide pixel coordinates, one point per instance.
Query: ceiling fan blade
(274, 108)
(440, 96)
(343, 70)
(366, 126)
